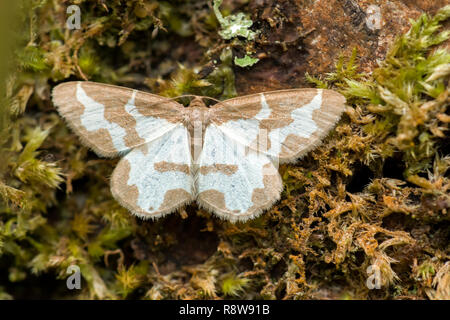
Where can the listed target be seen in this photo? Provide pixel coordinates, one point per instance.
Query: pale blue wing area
(232, 181)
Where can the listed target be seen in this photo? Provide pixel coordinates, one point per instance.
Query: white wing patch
(155, 180)
(93, 119)
(302, 125)
(147, 127)
(245, 131)
(233, 183)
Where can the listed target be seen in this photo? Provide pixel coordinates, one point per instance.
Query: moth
(224, 157)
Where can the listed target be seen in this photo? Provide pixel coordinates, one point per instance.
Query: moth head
(197, 102)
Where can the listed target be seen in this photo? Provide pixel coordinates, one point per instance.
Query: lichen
(236, 26)
(245, 61)
(232, 26)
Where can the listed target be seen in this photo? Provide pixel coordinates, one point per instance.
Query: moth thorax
(196, 120)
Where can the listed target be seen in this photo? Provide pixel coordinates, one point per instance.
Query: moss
(233, 285)
(374, 194)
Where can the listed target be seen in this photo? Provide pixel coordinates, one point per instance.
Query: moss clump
(373, 198)
(233, 285)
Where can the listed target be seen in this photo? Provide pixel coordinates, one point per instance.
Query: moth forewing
(293, 121)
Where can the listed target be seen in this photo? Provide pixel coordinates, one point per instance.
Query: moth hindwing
(224, 157)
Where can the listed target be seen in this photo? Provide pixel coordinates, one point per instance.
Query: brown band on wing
(227, 169)
(164, 166)
(173, 198)
(273, 185)
(150, 105)
(214, 198)
(234, 110)
(126, 195)
(296, 146)
(284, 105)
